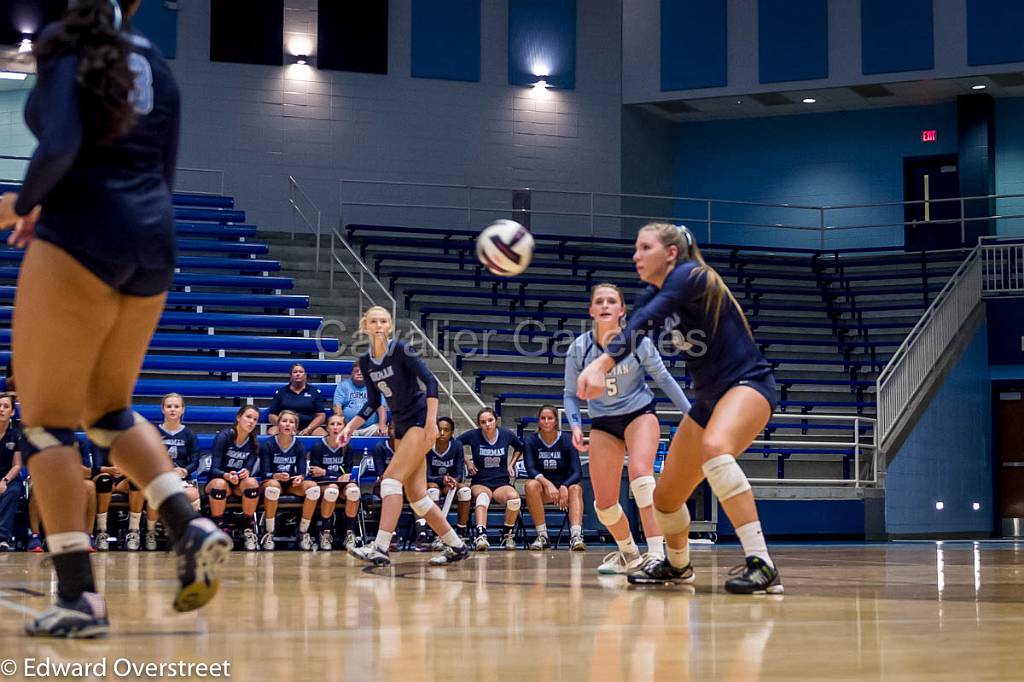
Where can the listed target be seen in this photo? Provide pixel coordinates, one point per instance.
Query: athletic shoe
(508, 541)
(250, 540)
(481, 543)
(658, 571)
(35, 544)
(451, 555)
(150, 540)
(373, 554)
(350, 540)
(132, 540)
(540, 544)
(306, 542)
(326, 540)
(102, 541)
(615, 563)
(267, 542)
(83, 618)
(576, 544)
(437, 545)
(5, 547)
(201, 552)
(422, 542)
(754, 577)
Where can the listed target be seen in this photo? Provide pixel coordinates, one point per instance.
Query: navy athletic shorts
(615, 425)
(763, 382)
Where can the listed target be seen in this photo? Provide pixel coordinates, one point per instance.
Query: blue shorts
(763, 382)
(405, 422)
(615, 424)
(129, 279)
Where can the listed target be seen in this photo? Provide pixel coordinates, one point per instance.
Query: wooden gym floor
(894, 611)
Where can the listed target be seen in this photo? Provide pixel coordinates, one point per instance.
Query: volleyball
(505, 248)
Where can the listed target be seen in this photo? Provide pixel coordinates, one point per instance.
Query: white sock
(678, 557)
(752, 539)
(542, 529)
(383, 540)
(575, 530)
(271, 523)
(160, 488)
(303, 525)
(64, 543)
(628, 546)
(656, 545)
(134, 520)
(101, 523)
(452, 539)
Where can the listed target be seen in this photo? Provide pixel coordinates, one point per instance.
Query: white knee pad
(483, 500)
(643, 490)
(672, 523)
(331, 494)
(390, 486)
(434, 494)
(610, 516)
(464, 495)
(725, 477)
(352, 493)
(422, 505)
(313, 493)
(272, 492)
(514, 504)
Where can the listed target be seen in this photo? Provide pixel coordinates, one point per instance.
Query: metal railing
(911, 365)
(192, 180)
(361, 276)
(313, 221)
(1002, 268)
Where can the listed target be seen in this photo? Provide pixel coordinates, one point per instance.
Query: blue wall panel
(804, 517)
(948, 456)
(542, 37)
(694, 44)
(1005, 331)
(896, 36)
(994, 32)
(160, 25)
(1010, 164)
(792, 40)
(446, 39)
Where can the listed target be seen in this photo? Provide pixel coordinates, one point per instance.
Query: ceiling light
(809, 100)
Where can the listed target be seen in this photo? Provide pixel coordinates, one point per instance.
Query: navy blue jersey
(183, 447)
(277, 460)
(109, 199)
(9, 444)
(307, 403)
(451, 462)
(716, 356)
(227, 455)
(559, 462)
(491, 458)
(337, 461)
(394, 377)
(382, 456)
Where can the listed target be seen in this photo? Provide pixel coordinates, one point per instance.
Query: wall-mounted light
(940, 506)
(26, 44)
(541, 83)
(979, 86)
(12, 76)
(976, 506)
(809, 100)
(302, 59)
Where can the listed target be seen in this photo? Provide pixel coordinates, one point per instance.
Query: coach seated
(303, 399)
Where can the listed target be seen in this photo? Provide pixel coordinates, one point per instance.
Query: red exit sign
(928, 136)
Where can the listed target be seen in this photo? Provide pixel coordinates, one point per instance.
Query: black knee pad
(252, 493)
(104, 483)
(110, 426)
(38, 438)
(218, 494)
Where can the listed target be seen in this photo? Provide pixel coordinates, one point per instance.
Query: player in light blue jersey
(623, 419)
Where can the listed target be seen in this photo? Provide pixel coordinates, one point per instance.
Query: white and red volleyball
(505, 248)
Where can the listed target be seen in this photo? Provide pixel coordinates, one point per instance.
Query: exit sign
(928, 136)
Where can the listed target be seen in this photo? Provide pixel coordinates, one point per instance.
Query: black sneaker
(200, 554)
(754, 577)
(451, 555)
(84, 618)
(657, 570)
(422, 542)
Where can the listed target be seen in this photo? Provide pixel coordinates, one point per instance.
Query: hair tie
(118, 15)
(686, 233)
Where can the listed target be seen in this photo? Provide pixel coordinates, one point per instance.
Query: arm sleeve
(265, 459)
(220, 446)
(516, 443)
(652, 314)
(530, 459)
(315, 456)
(60, 135)
(350, 460)
(194, 453)
(372, 400)
(434, 479)
(655, 366)
(572, 455)
(422, 372)
(171, 144)
(572, 373)
(460, 461)
(301, 463)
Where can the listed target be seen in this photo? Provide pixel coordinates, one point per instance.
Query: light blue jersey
(625, 388)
